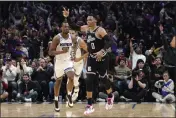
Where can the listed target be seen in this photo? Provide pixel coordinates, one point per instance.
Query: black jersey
(94, 44)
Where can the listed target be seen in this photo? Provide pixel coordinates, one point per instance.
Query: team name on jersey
(90, 39)
(65, 44)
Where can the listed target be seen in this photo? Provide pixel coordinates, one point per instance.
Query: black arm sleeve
(73, 25)
(108, 42)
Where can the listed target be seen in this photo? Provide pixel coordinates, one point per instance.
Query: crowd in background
(137, 59)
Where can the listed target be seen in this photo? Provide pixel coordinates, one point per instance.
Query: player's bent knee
(59, 78)
(70, 74)
(58, 81)
(89, 82)
(6, 94)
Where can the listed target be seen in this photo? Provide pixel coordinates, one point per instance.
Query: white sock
(69, 93)
(56, 98)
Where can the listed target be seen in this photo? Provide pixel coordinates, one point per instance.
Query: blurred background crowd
(144, 52)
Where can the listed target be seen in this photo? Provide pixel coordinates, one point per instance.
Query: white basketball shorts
(61, 67)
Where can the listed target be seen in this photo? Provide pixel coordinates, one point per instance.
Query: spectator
(27, 91)
(17, 53)
(138, 87)
(22, 68)
(9, 73)
(136, 55)
(167, 92)
(3, 87)
(34, 65)
(122, 73)
(14, 63)
(25, 50)
(42, 75)
(102, 93)
(120, 49)
(157, 69)
(48, 62)
(51, 89)
(142, 66)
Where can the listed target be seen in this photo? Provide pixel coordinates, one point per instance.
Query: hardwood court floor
(119, 110)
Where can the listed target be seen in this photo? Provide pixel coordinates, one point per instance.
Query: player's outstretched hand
(65, 12)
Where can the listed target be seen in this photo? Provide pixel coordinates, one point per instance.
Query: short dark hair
(74, 30)
(159, 58)
(166, 72)
(65, 21)
(26, 74)
(93, 15)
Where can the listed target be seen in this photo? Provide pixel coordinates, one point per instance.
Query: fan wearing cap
(136, 54)
(98, 42)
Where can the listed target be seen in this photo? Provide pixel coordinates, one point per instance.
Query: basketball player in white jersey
(79, 59)
(61, 48)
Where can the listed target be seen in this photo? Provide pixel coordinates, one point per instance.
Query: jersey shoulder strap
(78, 39)
(59, 36)
(96, 29)
(69, 37)
(93, 30)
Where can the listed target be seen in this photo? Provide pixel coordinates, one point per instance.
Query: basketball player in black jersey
(98, 43)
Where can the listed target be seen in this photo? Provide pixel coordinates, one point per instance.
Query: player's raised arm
(52, 49)
(73, 24)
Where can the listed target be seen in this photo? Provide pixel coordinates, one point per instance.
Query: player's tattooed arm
(108, 42)
(103, 34)
(52, 49)
(83, 46)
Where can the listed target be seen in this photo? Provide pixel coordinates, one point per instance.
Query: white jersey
(64, 43)
(78, 49)
(78, 52)
(78, 66)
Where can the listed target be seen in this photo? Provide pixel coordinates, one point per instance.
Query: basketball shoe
(109, 103)
(89, 110)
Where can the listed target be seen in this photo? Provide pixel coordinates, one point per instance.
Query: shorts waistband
(93, 56)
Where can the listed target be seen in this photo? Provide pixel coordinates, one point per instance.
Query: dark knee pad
(89, 82)
(106, 82)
